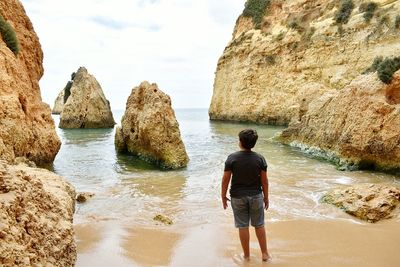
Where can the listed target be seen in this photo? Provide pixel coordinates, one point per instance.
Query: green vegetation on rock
(344, 12)
(385, 68)
(9, 36)
(256, 10)
(368, 9)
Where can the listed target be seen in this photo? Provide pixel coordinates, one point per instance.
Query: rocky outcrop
(266, 75)
(26, 127)
(59, 102)
(36, 211)
(85, 105)
(359, 126)
(149, 128)
(368, 202)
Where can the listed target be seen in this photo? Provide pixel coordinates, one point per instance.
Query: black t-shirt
(246, 167)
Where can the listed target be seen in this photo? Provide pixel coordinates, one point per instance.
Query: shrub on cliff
(385, 68)
(344, 12)
(9, 36)
(256, 10)
(368, 9)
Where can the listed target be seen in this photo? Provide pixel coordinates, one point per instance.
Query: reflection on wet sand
(150, 247)
(326, 243)
(88, 236)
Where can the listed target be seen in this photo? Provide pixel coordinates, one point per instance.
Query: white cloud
(175, 43)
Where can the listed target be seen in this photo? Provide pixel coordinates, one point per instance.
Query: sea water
(125, 185)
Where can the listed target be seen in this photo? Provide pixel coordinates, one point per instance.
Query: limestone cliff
(358, 126)
(36, 213)
(269, 72)
(149, 128)
(26, 127)
(85, 105)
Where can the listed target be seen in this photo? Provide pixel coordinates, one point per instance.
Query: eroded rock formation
(368, 202)
(149, 128)
(59, 102)
(358, 125)
(85, 105)
(299, 50)
(36, 211)
(26, 127)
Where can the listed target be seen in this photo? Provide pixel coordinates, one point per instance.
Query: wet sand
(291, 243)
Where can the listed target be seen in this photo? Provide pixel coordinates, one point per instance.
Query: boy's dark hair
(248, 138)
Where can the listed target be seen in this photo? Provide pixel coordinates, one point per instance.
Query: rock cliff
(85, 105)
(358, 126)
(36, 211)
(149, 128)
(26, 127)
(294, 51)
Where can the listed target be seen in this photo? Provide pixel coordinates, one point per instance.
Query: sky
(174, 43)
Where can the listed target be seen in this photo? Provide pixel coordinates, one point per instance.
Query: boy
(249, 191)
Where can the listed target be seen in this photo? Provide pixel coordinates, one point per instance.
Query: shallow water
(115, 228)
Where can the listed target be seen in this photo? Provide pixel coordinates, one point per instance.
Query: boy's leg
(245, 241)
(262, 241)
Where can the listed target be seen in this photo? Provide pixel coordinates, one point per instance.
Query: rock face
(85, 105)
(26, 127)
(368, 202)
(359, 124)
(36, 211)
(149, 128)
(59, 103)
(268, 75)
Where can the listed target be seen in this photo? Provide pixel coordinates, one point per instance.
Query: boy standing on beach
(249, 191)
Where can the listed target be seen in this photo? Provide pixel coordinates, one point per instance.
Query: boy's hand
(225, 202)
(266, 203)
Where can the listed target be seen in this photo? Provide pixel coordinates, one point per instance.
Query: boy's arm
(226, 178)
(264, 184)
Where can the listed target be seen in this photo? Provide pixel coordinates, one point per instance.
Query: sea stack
(85, 105)
(59, 102)
(150, 130)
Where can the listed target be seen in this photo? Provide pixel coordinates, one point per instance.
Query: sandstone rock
(26, 126)
(359, 125)
(259, 75)
(85, 105)
(149, 128)
(370, 202)
(36, 212)
(59, 102)
(84, 196)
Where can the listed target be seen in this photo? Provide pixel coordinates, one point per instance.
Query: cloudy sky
(175, 43)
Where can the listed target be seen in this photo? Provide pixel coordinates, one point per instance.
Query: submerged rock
(84, 196)
(36, 213)
(26, 126)
(85, 105)
(149, 128)
(370, 202)
(163, 219)
(360, 125)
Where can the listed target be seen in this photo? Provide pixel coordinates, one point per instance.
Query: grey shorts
(248, 208)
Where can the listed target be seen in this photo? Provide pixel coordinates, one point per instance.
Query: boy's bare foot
(266, 257)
